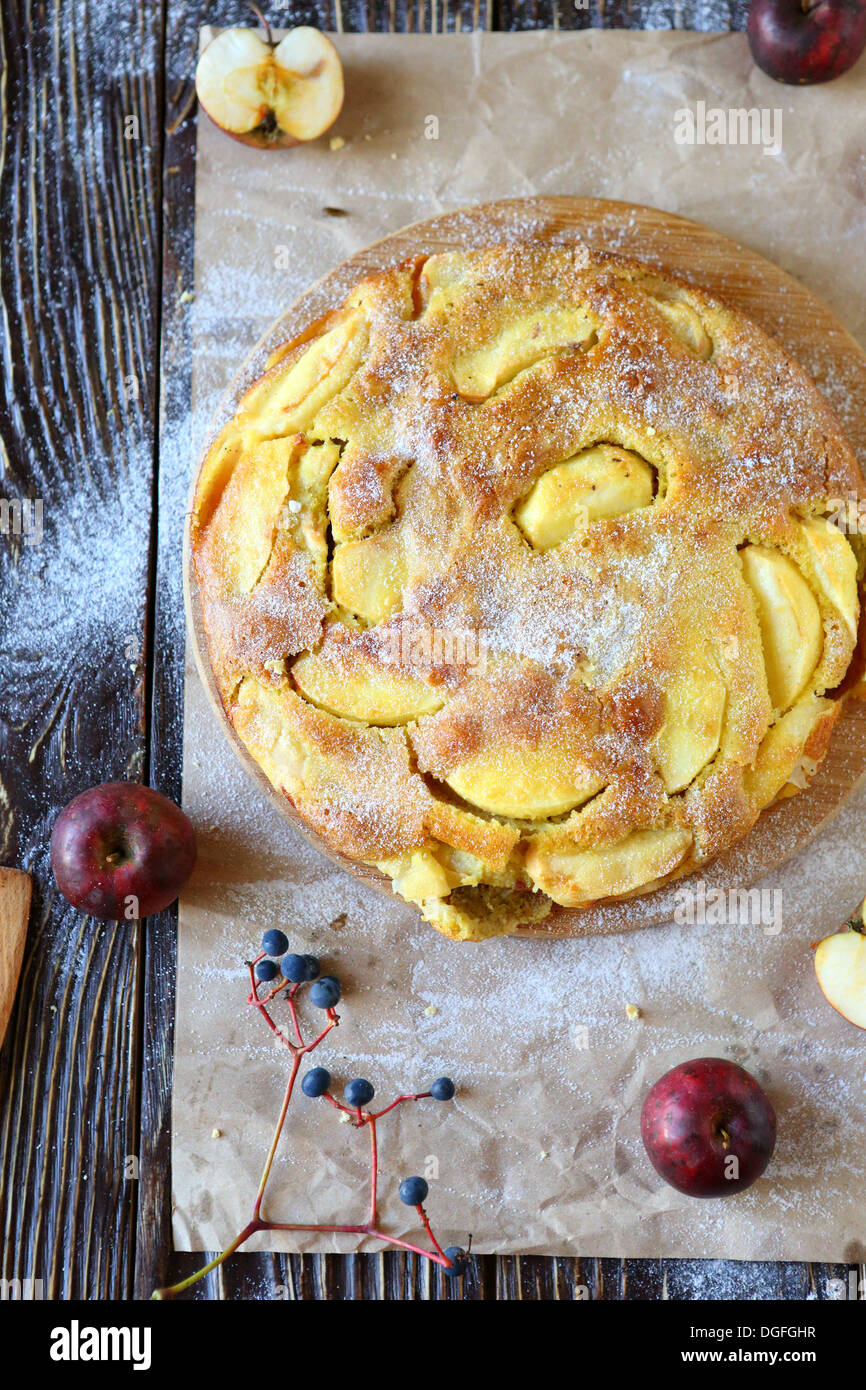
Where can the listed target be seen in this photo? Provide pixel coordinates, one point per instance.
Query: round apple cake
(522, 578)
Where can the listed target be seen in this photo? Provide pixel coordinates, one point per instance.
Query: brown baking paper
(541, 1151)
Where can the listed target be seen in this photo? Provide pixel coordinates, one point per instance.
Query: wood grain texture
(16, 892)
(79, 211)
(96, 243)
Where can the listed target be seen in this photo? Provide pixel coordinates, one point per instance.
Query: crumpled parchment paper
(540, 1152)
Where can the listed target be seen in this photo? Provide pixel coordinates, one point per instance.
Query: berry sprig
(277, 970)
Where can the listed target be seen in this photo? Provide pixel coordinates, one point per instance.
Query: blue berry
(359, 1092)
(299, 969)
(443, 1088)
(313, 966)
(457, 1255)
(266, 970)
(275, 943)
(316, 1082)
(413, 1191)
(325, 992)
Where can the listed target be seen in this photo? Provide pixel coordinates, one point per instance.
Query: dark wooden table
(96, 246)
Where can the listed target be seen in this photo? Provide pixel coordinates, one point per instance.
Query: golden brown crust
(516, 580)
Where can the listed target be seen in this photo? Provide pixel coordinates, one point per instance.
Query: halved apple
(603, 481)
(790, 620)
(840, 964)
(267, 94)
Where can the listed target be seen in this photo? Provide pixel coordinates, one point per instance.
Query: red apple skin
(261, 137)
(809, 42)
(686, 1117)
(120, 841)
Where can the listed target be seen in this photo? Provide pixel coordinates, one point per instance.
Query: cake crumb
(216, 1134)
(336, 142)
(431, 1011)
(632, 1011)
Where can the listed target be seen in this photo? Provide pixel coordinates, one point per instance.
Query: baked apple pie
(521, 580)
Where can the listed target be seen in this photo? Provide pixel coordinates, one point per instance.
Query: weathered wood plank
(80, 107)
(165, 673)
(708, 15)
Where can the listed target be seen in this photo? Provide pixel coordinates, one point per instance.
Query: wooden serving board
(755, 286)
(16, 889)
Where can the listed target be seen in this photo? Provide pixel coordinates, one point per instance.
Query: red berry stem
(338, 1105)
(359, 1118)
(263, 22)
(420, 1095)
(266, 1172)
(425, 1222)
(374, 1171)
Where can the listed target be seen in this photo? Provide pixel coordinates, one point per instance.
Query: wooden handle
(16, 889)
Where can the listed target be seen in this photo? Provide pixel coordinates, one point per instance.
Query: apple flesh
(708, 1127)
(271, 95)
(792, 631)
(806, 41)
(121, 851)
(840, 964)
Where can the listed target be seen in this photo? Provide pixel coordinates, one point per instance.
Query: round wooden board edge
(783, 830)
